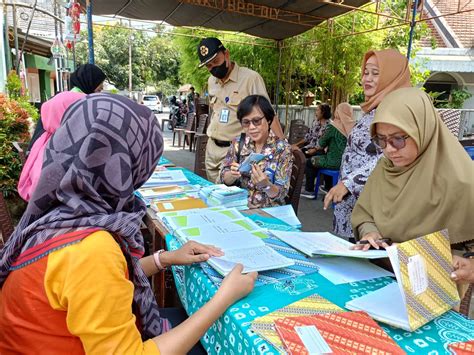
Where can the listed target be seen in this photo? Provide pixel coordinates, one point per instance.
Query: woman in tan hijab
(425, 181)
(382, 72)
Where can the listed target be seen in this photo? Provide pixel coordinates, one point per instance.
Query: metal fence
(306, 113)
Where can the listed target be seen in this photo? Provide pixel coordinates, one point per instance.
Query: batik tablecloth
(231, 333)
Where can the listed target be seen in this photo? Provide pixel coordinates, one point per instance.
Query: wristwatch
(267, 188)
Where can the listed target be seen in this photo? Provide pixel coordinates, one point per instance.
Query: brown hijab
(343, 119)
(434, 192)
(394, 74)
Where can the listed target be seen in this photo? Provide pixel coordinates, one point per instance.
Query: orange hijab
(394, 74)
(343, 119)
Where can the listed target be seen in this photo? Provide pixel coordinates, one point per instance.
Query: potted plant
(15, 115)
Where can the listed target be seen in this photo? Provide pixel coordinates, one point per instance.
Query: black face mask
(220, 71)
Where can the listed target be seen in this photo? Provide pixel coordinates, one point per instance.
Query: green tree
(259, 54)
(325, 60)
(154, 59)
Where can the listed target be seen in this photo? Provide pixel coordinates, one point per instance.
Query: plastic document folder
(335, 333)
(424, 289)
(185, 203)
(162, 215)
(167, 177)
(465, 348)
(203, 218)
(314, 304)
(253, 158)
(285, 213)
(312, 244)
(241, 241)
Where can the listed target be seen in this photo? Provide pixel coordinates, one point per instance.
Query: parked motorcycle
(177, 113)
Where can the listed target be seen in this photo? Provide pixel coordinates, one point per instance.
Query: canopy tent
(273, 19)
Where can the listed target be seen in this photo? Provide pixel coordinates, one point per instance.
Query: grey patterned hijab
(106, 147)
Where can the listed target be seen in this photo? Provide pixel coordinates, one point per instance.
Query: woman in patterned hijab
(72, 272)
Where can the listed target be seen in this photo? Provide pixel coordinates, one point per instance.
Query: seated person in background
(269, 180)
(423, 184)
(86, 79)
(72, 276)
(309, 145)
(332, 145)
(344, 118)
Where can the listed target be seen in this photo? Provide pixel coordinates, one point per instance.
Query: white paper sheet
(385, 304)
(324, 243)
(253, 259)
(285, 213)
(341, 270)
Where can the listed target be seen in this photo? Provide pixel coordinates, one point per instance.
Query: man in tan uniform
(228, 85)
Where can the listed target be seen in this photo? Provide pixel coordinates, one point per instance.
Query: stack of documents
(238, 237)
(424, 289)
(313, 244)
(168, 192)
(166, 178)
(314, 304)
(223, 195)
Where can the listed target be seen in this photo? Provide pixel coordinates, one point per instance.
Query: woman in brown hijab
(425, 181)
(343, 118)
(382, 72)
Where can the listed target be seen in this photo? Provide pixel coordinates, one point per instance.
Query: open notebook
(324, 243)
(424, 289)
(240, 239)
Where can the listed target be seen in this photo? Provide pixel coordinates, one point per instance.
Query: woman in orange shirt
(72, 275)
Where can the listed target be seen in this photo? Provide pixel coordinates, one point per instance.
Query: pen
(378, 241)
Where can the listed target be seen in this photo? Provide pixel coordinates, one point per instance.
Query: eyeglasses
(398, 142)
(256, 122)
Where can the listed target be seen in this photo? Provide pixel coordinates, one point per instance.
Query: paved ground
(310, 212)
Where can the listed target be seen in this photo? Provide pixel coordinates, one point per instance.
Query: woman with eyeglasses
(382, 72)
(425, 181)
(268, 180)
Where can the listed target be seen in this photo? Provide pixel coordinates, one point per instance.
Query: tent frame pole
(412, 28)
(90, 33)
(277, 90)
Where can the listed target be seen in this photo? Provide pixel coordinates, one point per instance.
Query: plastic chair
(296, 179)
(180, 130)
(470, 151)
(6, 222)
(200, 158)
(329, 172)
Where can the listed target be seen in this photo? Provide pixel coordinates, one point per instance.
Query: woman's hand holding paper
(236, 285)
(190, 253)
